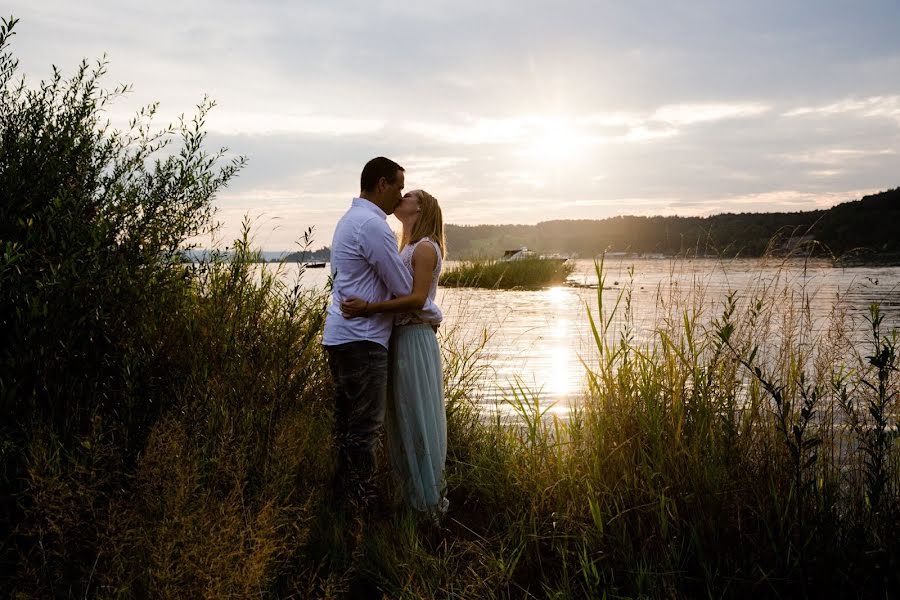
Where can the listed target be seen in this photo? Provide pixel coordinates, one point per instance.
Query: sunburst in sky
(512, 112)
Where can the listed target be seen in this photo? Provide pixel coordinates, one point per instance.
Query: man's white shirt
(365, 264)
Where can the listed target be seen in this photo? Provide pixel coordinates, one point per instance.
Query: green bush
(91, 225)
(162, 420)
(529, 273)
(96, 308)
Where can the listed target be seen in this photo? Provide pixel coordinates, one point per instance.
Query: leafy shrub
(527, 273)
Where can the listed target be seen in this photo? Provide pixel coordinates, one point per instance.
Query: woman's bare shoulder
(426, 252)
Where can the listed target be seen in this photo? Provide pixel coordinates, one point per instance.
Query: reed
(720, 458)
(685, 472)
(529, 273)
(716, 459)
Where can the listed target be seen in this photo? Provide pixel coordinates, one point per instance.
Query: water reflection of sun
(557, 296)
(557, 380)
(559, 358)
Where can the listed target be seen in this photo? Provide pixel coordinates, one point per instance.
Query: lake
(539, 338)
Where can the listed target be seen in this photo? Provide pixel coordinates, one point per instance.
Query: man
(365, 264)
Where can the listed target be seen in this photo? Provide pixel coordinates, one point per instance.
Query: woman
(415, 423)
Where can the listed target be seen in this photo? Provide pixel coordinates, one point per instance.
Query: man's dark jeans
(359, 371)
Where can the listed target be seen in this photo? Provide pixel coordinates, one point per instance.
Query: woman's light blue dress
(416, 421)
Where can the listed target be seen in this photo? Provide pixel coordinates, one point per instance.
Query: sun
(554, 140)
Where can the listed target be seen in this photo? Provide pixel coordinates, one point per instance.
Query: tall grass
(721, 457)
(220, 496)
(527, 273)
(693, 468)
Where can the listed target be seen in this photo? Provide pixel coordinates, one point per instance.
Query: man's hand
(354, 307)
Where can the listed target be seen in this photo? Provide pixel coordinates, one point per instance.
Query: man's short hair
(375, 169)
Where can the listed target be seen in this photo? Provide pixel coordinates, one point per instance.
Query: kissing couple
(382, 325)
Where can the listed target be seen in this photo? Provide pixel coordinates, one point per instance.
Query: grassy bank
(166, 428)
(529, 273)
(683, 473)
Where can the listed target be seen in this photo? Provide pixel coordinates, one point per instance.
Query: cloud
(432, 169)
(508, 113)
(642, 133)
(611, 119)
(473, 131)
(689, 114)
(836, 156)
(584, 129)
(232, 122)
(628, 203)
(870, 107)
(791, 199)
(528, 179)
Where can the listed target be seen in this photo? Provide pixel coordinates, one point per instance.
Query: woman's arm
(424, 260)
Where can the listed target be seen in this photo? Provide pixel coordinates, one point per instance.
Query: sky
(506, 111)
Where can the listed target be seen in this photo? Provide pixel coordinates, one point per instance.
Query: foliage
(528, 273)
(866, 224)
(91, 224)
(323, 254)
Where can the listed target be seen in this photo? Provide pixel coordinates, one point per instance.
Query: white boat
(520, 254)
(524, 253)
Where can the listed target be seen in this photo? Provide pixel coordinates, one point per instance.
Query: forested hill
(872, 224)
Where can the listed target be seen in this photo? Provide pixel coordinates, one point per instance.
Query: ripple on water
(539, 338)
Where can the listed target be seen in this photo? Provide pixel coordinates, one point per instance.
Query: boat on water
(524, 253)
(314, 265)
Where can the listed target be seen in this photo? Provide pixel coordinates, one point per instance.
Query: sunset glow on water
(539, 338)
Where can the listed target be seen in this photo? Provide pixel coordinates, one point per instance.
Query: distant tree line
(320, 255)
(866, 225)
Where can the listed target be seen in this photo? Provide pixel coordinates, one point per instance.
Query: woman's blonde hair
(430, 223)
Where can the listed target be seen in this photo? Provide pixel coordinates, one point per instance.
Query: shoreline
(888, 260)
